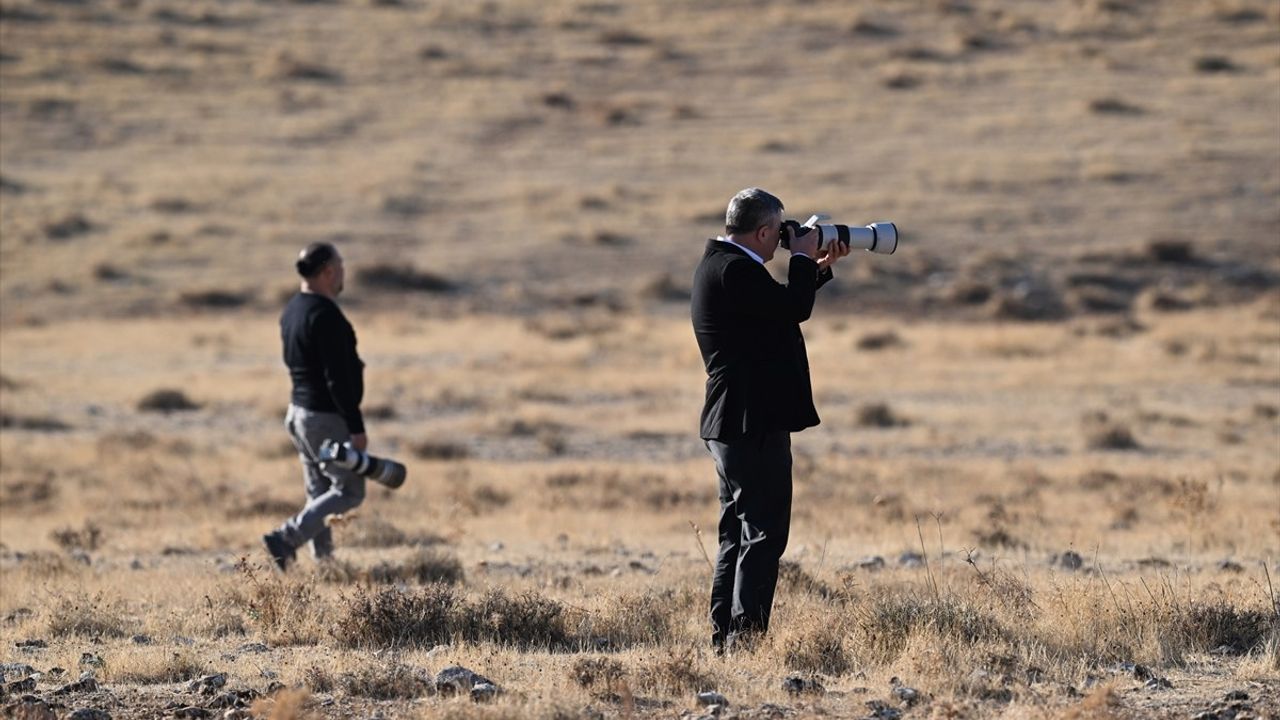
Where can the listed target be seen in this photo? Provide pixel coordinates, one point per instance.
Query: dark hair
(750, 209)
(314, 257)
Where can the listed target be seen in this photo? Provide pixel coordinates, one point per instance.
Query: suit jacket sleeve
(756, 293)
(343, 369)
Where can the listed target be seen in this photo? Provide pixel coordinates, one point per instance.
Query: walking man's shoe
(282, 554)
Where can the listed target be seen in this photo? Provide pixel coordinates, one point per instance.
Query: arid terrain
(1047, 482)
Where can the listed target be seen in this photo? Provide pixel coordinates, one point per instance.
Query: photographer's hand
(833, 252)
(806, 244)
(360, 441)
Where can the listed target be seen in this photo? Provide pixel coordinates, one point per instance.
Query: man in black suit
(758, 393)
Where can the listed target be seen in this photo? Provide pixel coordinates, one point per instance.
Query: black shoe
(280, 551)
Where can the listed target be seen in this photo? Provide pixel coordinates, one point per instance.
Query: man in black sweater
(758, 392)
(328, 385)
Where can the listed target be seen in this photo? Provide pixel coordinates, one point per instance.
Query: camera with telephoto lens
(378, 469)
(878, 237)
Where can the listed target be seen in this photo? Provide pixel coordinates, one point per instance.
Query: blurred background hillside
(1042, 158)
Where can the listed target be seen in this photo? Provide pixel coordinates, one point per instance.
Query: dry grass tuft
(154, 666)
(167, 400)
(87, 537)
(86, 617)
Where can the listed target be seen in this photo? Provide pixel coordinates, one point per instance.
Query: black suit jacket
(748, 329)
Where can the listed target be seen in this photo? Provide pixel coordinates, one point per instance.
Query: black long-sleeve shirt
(320, 352)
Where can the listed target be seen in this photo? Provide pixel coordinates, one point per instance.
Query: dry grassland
(1047, 483)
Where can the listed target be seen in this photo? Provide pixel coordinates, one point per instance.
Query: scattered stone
(191, 712)
(874, 562)
(21, 686)
(16, 670)
(1158, 683)
(911, 560)
(29, 707)
(82, 685)
(456, 679)
(712, 698)
(235, 699)
(1069, 560)
(908, 695)
(254, 647)
(208, 684)
(484, 692)
(68, 227)
(89, 714)
(141, 639)
(797, 685)
(882, 711)
(33, 644)
(1236, 695)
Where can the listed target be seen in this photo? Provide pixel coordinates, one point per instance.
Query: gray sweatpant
(330, 490)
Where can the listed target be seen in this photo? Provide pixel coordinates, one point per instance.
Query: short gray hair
(750, 209)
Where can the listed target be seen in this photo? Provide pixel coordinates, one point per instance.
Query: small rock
(796, 685)
(1230, 566)
(1236, 695)
(881, 711)
(911, 560)
(30, 707)
(33, 644)
(874, 562)
(16, 670)
(21, 686)
(191, 712)
(254, 647)
(234, 699)
(208, 684)
(83, 685)
(1142, 672)
(484, 691)
(89, 714)
(1069, 560)
(1158, 683)
(908, 695)
(141, 639)
(456, 679)
(237, 714)
(712, 698)
(181, 640)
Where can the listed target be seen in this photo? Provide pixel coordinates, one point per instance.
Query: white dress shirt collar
(744, 249)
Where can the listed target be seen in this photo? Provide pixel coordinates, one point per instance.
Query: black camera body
(878, 237)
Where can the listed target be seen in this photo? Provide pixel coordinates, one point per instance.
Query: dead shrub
(890, 617)
(819, 649)
(1215, 64)
(1221, 625)
(879, 415)
(674, 673)
(439, 450)
(32, 423)
(398, 618)
(631, 620)
(424, 567)
(387, 682)
(167, 400)
(215, 299)
(87, 537)
(879, 341)
(402, 278)
(600, 673)
(86, 617)
(527, 620)
(375, 532)
(1171, 250)
(154, 666)
(1103, 433)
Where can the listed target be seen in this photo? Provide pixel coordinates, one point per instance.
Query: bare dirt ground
(1047, 483)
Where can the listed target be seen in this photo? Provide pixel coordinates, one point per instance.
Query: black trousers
(755, 519)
